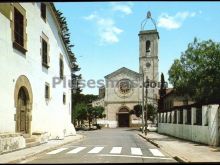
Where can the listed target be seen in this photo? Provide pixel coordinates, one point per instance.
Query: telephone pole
(142, 101)
(146, 95)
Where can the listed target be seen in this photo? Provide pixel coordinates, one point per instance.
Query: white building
(32, 55)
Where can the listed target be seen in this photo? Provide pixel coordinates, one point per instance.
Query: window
(19, 25)
(175, 117)
(45, 60)
(181, 117)
(47, 91)
(61, 67)
(19, 34)
(64, 98)
(147, 46)
(188, 117)
(43, 11)
(198, 116)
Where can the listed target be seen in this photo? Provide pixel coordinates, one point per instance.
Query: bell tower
(148, 57)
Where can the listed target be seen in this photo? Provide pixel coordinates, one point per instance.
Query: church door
(123, 117)
(123, 120)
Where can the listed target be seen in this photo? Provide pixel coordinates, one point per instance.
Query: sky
(105, 34)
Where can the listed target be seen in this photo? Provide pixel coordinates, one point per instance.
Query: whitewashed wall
(53, 117)
(206, 133)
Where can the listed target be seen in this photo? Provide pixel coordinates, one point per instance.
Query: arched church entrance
(23, 103)
(123, 117)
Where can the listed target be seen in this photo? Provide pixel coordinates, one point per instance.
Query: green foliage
(138, 110)
(94, 113)
(197, 72)
(80, 112)
(151, 112)
(78, 98)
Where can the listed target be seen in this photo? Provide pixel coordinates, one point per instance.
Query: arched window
(147, 46)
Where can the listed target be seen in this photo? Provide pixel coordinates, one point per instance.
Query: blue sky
(105, 34)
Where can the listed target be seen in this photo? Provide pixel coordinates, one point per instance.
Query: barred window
(44, 53)
(18, 27)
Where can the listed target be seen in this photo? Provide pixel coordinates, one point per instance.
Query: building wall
(53, 117)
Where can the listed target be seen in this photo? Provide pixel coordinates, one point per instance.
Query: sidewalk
(17, 156)
(183, 150)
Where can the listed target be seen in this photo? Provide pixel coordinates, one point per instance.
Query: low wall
(11, 141)
(189, 132)
(205, 130)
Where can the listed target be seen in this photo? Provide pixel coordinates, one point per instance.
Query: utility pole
(146, 95)
(142, 101)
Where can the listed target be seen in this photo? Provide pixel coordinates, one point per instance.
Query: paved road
(120, 145)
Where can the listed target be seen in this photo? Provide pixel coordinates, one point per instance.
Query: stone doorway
(23, 102)
(123, 117)
(22, 112)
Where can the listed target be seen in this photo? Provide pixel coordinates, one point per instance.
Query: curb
(43, 151)
(151, 141)
(175, 157)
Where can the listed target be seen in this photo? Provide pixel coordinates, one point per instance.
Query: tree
(138, 110)
(80, 113)
(90, 113)
(94, 113)
(98, 112)
(78, 98)
(196, 73)
(151, 112)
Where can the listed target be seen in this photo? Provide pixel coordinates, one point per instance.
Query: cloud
(90, 17)
(122, 7)
(174, 22)
(107, 30)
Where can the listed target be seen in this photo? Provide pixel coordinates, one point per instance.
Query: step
(32, 144)
(26, 135)
(31, 139)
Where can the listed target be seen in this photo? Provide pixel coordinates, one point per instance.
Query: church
(123, 87)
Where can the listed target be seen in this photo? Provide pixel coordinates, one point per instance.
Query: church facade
(123, 87)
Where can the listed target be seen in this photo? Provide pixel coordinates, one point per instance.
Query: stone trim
(23, 12)
(23, 82)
